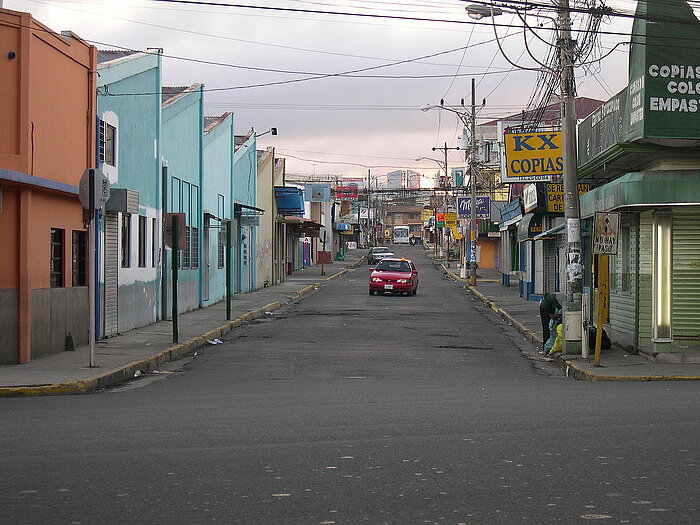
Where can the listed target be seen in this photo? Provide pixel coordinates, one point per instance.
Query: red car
(392, 275)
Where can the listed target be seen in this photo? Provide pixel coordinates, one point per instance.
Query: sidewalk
(145, 350)
(616, 364)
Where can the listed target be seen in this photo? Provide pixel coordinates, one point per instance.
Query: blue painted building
(129, 253)
(244, 197)
(182, 152)
(217, 204)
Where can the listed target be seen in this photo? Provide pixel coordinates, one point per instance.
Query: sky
(280, 69)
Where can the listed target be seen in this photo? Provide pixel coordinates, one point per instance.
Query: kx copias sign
(532, 157)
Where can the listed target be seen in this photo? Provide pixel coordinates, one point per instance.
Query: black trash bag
(605, 343)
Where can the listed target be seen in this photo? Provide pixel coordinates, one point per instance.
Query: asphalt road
(347, 408)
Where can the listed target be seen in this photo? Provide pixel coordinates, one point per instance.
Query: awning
(510, 214)
(529, 226)
(306, 228)
(644, 189)
(245, 209)
(290, 201)
(549, 234)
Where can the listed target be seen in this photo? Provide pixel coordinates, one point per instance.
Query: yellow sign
(450, 220)
(533, 157)
(455, 234)
(426, 214)
(555, 195)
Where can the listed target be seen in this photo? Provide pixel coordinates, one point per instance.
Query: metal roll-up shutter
(111, 315)
(686, 274)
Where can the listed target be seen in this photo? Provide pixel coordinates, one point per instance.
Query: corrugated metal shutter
(686, 274)
(111, 314)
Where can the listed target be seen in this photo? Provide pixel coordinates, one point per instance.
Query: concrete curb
(126, 372)
(575, 372)
(571, 368)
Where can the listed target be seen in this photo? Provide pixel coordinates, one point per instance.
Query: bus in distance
(401, 235)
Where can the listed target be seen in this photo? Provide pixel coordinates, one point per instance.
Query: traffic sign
(605, 228)
(100, 188)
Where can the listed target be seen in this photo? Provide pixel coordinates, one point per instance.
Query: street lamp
(477, 12)
(271, 131)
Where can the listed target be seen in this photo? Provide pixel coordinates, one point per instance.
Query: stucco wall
(56, 313)
(8, 327)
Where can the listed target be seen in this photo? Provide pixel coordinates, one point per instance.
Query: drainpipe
(163, 259)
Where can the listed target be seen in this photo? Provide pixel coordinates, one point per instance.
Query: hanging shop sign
(346, 193)
(317, 192)
(483, 207)
(555, 195)
(532, 157)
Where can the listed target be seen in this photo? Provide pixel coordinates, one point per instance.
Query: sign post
(93, 194)
(605, 228)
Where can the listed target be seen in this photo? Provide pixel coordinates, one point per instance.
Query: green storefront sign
(661, 104)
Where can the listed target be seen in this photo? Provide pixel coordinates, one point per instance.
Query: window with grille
(107, 143)
(185, 258)
(57, 262)
(194, 254)
(222, 246)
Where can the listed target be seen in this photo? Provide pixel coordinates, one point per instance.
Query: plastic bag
(553, 323)
(558, 343)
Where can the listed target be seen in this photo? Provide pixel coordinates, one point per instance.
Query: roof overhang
(646, 189)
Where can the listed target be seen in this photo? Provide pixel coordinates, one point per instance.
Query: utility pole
(574, 267)
(445, 149)
(473, 231)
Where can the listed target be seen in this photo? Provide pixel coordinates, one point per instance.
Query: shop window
(625, 259)
(221, 246)
(79, 258)
(57, 261)
(194, 251)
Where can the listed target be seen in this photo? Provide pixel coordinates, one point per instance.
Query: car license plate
(388, 286)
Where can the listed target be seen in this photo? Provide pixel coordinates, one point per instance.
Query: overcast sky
(342, 124)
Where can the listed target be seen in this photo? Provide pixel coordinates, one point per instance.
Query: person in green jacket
(548, 308)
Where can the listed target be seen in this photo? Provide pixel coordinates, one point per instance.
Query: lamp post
(443, 166)
(567, 84)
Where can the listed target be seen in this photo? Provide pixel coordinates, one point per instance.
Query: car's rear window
(382, 250)
(393, 266)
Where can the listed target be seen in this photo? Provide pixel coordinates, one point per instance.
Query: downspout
(200, 198)
(160, 187)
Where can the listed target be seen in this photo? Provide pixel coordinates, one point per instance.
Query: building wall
(34, 144)
(265, 236)
(182, 147)
(138, 168)
(245, 192)
(218, 159)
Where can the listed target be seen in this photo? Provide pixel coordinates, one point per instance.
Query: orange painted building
(47, 140)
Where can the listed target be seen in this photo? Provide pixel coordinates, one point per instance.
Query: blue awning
(510, 214)
(290, 201)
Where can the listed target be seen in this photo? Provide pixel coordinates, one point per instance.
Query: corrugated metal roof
(107, 55)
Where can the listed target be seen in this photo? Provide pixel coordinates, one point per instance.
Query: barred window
(222, 246)
(194, 252)
(185, 258)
